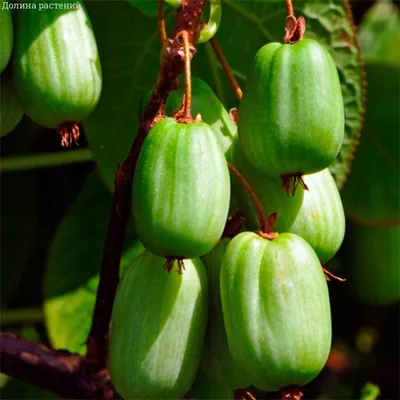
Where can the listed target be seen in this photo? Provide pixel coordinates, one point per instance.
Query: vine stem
(265, 224)
(227, 69)
(289, 8)
(161, 22)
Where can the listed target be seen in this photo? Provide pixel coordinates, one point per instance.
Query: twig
(161, 22)
(48, 369)
(227, 69)
(266, 223)
(171, 67)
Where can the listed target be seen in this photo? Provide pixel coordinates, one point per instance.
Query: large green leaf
(129, 52)
(73, 266)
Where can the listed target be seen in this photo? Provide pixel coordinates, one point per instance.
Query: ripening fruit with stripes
(276, 309)
(181, 190)
(6, 35)
(10, 106)
(56, 66)
(157, 328)
(217, 361)
(321, 221)
(291, 117)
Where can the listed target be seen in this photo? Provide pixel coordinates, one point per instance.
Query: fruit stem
(187, 113)
(227, 69)
(162, 33)
(289, 8)
(266, 227)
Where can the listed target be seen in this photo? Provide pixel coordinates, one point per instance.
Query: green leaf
(73, 266)
(147, 7)
(371, 195)
(380, 34)
(370, 392)
(130, 55)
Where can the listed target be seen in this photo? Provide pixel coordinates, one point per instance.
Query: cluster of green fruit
(57, 83)
(253, 309)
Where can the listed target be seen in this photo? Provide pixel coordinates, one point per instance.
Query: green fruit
(276, 309)
(6, 36)
(375, 265)
(205, 387)
(268, 190)
(291, 118)
(371, 195)
(10, 107)
(217, 360)
(157, 329)
(321, 220)
(181, 190)
(58, 80)
(205, 103)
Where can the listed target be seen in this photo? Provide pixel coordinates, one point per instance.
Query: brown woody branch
(171, 67)
(57, 371)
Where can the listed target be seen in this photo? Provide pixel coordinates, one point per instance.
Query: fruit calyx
(69, 133)
(267, 226)
(291, 181)
(294, 29)
(234, 224)
(169, 264)
(291, 393)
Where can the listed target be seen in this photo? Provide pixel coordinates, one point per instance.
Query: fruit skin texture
(268, 190)
(321, 221)
(276, 309)
(181, 190)
(6, 36)
(217, 361)
(157, 329)
(59, 81)
(291, 117)
(10, 107)
(375, 259)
